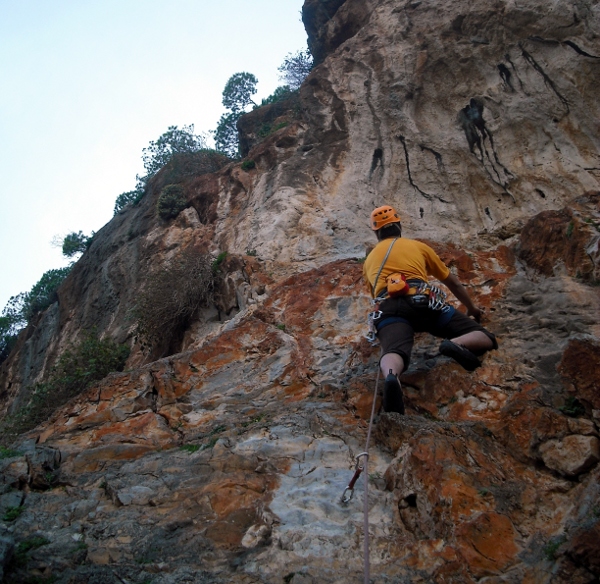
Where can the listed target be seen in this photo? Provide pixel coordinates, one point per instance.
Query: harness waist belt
(414, 284)
(443, 318)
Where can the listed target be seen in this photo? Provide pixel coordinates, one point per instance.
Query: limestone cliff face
(467, 118)
(479, 123)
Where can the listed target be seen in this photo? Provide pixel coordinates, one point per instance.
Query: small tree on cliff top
(20, 309)
(173, 141)
(295, 68)
(158, 154)
(236, 97)
(238, 91)
(226, 135)
(75, 243)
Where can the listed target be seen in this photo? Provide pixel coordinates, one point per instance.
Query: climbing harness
(349, 490)
(422, 295)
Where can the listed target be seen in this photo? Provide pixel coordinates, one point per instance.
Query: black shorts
(400, 321)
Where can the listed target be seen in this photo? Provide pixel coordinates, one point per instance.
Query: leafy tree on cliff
(173, 141)
(77, 368)
(238, 91)
(236, 97)
(295, 68)
(129, 198)
(21, 308)
(226, 135)
(24, 306)
(281, 93)
(43, 293)
(159, 153)
(9, 328)
(75, 243)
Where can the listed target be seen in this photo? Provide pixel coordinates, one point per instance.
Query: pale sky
(87, 84)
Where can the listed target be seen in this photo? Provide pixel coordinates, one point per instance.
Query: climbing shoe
(465, 358)
(392, 395)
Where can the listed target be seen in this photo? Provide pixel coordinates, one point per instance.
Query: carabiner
(347, 496)
(349, 490)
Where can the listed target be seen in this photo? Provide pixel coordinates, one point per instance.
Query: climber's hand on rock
(475, 313)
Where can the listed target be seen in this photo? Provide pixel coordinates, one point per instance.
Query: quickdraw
(437, 297)
(373, 316)
(349, 490)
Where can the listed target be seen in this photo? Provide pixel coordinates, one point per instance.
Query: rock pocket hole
(408, 501)
(505, 74)
(377, 159)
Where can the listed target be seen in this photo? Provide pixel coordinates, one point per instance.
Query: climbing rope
(349, 490)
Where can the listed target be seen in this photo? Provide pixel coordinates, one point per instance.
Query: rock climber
(397, 271)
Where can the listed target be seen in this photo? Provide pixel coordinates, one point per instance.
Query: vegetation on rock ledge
(173, 295)
(22, 308)
(77, 368)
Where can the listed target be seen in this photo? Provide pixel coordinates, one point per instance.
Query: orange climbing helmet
(383, 216)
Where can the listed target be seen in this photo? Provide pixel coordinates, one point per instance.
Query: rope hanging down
(349, 490)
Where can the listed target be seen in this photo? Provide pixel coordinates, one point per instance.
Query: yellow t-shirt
(412, 258)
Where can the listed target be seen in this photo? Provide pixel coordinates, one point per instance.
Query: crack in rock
(410, 178)
(547, 80)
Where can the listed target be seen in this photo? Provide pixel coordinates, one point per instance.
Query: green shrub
(552, 546)
(267, 129)
(281, 93)
(128, 198)
(570, 228)
(216, 263)
(31, 543)
(248, 164)
(8, 453)
(264, 130)
(186, 164)
(175, 143)
(75, 243)
(191, 448)
(12, 513)
(76, 369)
(172, 296)
(171, 202)
(573, 407)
